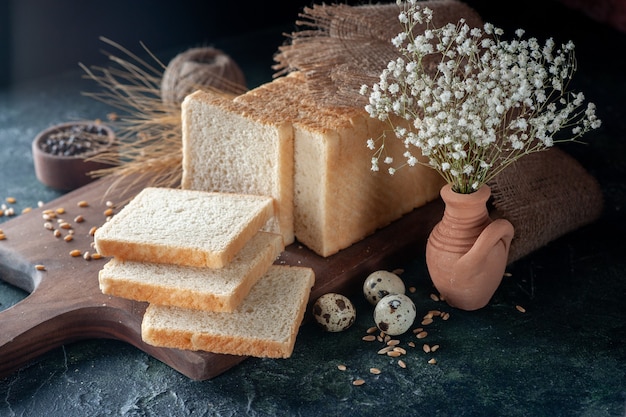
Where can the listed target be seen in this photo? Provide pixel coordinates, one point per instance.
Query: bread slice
(231, 147)
(264, 325)
(193, 287)
(183, 227)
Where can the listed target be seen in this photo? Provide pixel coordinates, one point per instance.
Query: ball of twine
(197, 68)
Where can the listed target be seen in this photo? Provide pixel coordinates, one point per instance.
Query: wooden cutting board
(65, 303)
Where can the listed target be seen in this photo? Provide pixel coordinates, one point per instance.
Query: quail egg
(381, 283)
(334, 312)
(394, 314)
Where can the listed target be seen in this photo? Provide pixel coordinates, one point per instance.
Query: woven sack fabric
(545, 195)
(339, 47)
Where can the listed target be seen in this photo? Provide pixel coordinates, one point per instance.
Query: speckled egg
(394, 314)
(334, 312)
(381, 283)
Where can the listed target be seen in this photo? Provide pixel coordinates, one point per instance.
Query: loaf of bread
(193, 287)
(264, 325)
(183, 227)
(332, 197)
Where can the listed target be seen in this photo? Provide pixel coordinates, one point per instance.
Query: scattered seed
(92, 231)
(426, 348)
(422, 335)
(57, 233)
(109, 204)
(3, 236)
(412, 290)
(394, 353)
(342, 367)
(108, 212)
(384, 350)
(508, 274)
(48, 226)
(26, 210)
(434, 348)
(68, 238)
(369, 338)
(371, 330)
(432, 361)
(393, 342)
(9, 212)
(520, 309)
(400, 350)
(427, 321)
(60, 210)
(40, 267)
(83, 203)
(39, 203)
(434, 313)
(75, 253)
(401, 363)
(1, 212)
(434, 297)
(87, 256)
(11, 200)
(418, 330)
(358, 382)
(445, 316)
(65, 225)
(79, 219)
(375, 371)
(412, 344)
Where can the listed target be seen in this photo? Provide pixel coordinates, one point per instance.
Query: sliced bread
(264, 325)
(183, 227)
(231, 147)
(337, 199)
(193, 287)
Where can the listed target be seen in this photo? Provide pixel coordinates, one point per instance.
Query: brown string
(200, 68)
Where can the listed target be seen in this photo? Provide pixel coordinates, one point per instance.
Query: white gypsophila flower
(490, 101)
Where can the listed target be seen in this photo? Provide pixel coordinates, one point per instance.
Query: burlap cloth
(544, 195)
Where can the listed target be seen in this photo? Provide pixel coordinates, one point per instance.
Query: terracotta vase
(467, 251)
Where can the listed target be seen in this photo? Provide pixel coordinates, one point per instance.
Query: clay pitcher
(467, 251)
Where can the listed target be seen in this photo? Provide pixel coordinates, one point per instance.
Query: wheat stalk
(148, 144)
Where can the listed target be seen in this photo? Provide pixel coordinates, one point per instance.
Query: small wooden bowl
(69, 171)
